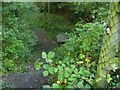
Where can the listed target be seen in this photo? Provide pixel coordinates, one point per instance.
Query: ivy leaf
(87, 72)
(45, 73)
(88, 87)
(73, 66)
(81, 71)
(55, 70)
(118, 85)
(60, 76)
(82, 68)
(60, 68)
(80, 85)
(76, 71)
(63, 65)
(66, 74)
(38, 65)
(44, 55)
(68, 86)
(46, 86)
(60, 62)
(48, 60)
(71, 79)
(74, 75)
(55, 85)
(81, 56)
(51, 70)
(46, 66)
(51, 54)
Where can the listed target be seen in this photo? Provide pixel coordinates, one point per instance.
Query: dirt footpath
(32, 78)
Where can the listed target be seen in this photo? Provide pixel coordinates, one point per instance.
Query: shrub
(54, 24)
(18, 40)
(74, 63)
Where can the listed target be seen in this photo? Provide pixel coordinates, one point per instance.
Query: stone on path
(61, 37)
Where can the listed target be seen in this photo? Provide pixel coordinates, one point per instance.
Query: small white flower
(117, 76)
(108, 30)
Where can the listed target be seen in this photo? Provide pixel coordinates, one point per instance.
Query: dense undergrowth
(72, 64)
(18, 38)
(54, 24)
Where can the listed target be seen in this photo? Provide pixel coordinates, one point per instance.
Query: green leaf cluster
(18, 38)
(74, 63)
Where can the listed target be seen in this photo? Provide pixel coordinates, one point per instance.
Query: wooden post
(108, 60)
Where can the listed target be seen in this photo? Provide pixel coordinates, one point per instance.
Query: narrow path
(32, 78)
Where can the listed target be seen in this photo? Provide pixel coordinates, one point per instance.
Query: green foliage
(38, 65)
(118, 85)
(73, 64)
(109, 78)
(69, 74)
(89, 11)
(44, 55)
(84, 42)
(48, 57)
(45, 73)
(113, 79)
(54, 24)
(86, 11)
(18, 40)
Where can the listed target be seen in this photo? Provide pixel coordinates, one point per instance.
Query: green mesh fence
(109, 56)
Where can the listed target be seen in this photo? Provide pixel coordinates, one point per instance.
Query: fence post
(109, 59)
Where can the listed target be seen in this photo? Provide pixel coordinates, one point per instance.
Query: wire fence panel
(109, 55)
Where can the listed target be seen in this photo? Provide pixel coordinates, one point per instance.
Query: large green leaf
(73, 66)
(66, 74)
(45, 73)
(74, 75)
(60, 76)
(51, 54)
(44, 55)
(51, 70)
(71, 78)
(38, 65)
(81, 72)
(48, 60)
(80, 85)
(55, 85)
(46, 66)
(55, 70)
(87, 72)
(118, 85)
(60, 68)
(87, 86)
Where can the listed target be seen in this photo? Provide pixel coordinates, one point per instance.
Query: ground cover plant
(70, 64)
(74, 63)
(18, 39)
